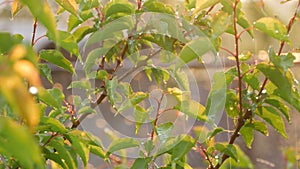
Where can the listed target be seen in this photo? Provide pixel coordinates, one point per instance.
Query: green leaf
(180, 144)
(102, 75)
(41, 10)
(227, 149)
(164, 130)
(215, 132)
(247, 132)
(47, 98)
(282, 81)
(278, 104)
(231, 105)
(80, 148)
(271, 116)
(81, 32)
(55, 57)
(52, 124)
(243, 161)
(140, 116)
(182, 79)
(55, 158)
(82, 84)
(74, 21)
(120, 144)
(183, 147)
(155, 6)
(93, 57)
(138, 97)
(196, 48)
(190, 4)
(272, 27)
(113, 95)
(217, 96)
(69, 5)
(140, 163)
(283, 62)
(64, 153)
(16, 141)
(86, 109)
(116, 9)
(67, 41)
(112, 30)
(220, 23)
(261, 127)
(202, 4)
(45, 71)
(193, 109)
(179, 94)
(97, 151)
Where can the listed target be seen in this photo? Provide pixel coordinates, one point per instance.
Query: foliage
(39, 126)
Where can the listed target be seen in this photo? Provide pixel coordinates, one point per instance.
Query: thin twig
(157, 115)
(39, 38)
(228, 51)
(203, 150)
(34, 31)
(241, 120)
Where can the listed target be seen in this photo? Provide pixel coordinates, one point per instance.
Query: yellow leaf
(16, 7)
(18, 52)
(28, 71)
(18, 98)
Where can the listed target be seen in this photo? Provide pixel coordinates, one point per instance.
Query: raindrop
(33, 90)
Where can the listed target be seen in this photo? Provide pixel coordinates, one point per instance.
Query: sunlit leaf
(28, 71)
(193, 109)
(247, 132)
(278, 104)
(271, 116)
(69, 5)
(16, 6)
(140, 116)
(20, 100)
(81, 32)
(272, 27)
(261, 127)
